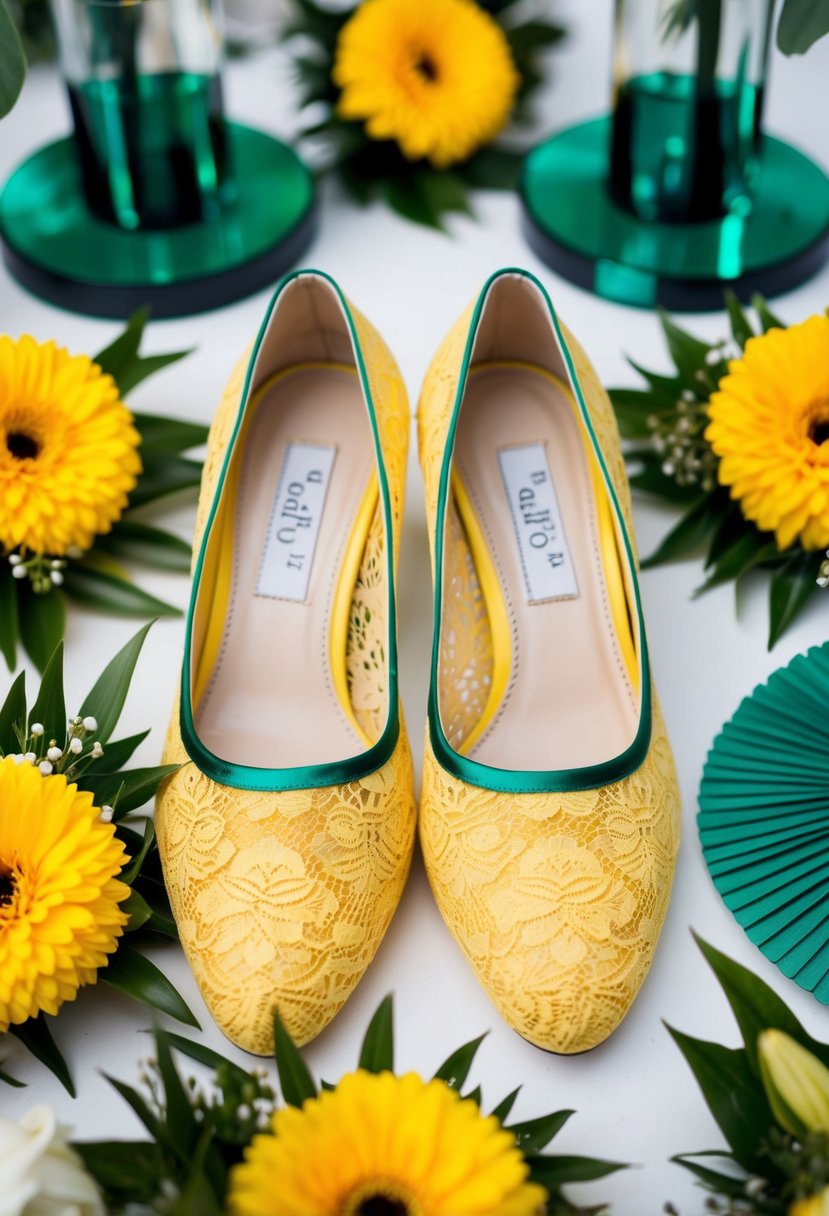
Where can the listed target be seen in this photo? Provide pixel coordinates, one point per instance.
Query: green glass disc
(57, 249)
(573, 224)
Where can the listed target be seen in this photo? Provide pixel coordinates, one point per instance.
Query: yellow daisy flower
(435, 76)
(68, 448)
(381, 1145)
(770, 427)
(817, 1205)
(59, 914)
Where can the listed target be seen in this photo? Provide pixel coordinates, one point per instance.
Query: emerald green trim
(534, 781)
(313, 776)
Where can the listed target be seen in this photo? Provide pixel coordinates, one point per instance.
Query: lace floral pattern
(282, 899)
(557, 900)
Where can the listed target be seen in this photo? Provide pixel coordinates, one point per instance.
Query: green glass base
(574, 226)
(57, 249)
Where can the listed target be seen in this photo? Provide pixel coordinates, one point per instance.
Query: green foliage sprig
(372, 169)
(33, 609)
(96, 764)
(766, 1168)
(197, 1136)
(670, 458)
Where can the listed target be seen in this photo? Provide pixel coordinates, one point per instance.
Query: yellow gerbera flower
(770, 428)
(68, 448)
(381, 1145)
(59, 914)
(436, 76)
(817, 1205)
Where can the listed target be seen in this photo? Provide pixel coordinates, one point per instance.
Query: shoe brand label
(539, 529)
(294, 525)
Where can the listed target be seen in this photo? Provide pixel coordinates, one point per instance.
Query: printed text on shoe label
(539, 529)
(294, 524)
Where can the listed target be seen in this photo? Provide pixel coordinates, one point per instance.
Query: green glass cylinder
(689, 80)
(144, 85)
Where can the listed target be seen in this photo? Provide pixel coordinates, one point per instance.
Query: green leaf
(686, 536)
(108, 592)
(139, 1106)
(426, 195)
(128, 790)
(118, 752)
(767, 318)
(7, 1079)
(9, 623)
(802, 23)
(134, 975)
(137, 909)
(36, 1036)
(687, 352)
(533, 36)
(109, 692)
(170, 435)
(122, 360)
(42, 621)
(474, 1095)
(13, 715)
(201, 1054)
(149, 546)
(554, 1172)
(734, 1096)
(180, 1118)
(128, 1172)
(133, 868)
(665, 390)
(633, 407)
(792, 587)
(50, 707)
(295, 1079)
(493, 169)
(377, 1054)
(12, 61)
(455, 1069)
(165, 475)
(535, 1134)
(713, 1180)
(740, 324)
(756, 1006)
(747, 551)
(502, 1110)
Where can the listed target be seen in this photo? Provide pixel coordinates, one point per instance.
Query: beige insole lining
(271, 700)
(569, 700)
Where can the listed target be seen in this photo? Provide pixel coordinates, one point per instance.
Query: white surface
(635, 1099)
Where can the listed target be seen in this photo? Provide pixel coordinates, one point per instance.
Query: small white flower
(713, 356)
(97, 750)
(57, 564)
(106, 814)
(75, 746)
(687, 395)
(40, 1173)
(54, 754)
(36, 729)
(74, 551)
(15, 559)
(45, 767)
(56, 578)
(18, 757)
(19, 571)
(90, 723)
(30, 756)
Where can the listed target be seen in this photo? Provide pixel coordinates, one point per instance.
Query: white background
(635, 1098)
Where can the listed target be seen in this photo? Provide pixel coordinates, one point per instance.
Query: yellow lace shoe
(286, 836)
(550, 814)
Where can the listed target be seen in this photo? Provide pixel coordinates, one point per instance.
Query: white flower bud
(19, 571)
(15, 559)
(90, 723)
(97, 750)
(56, 578)
(36, 729)
(75, 746)
(30, 756)
(54, 754)
(106, 814)
(45, 767)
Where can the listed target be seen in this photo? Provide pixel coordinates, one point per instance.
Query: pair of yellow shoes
(549, 813)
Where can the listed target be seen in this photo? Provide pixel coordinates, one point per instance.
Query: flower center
(22, 446)
(819, 431)
(381, 1197)
(426, 67)
(8, 886)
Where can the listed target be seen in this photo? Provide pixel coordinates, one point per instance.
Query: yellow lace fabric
(557, 900)
(281, 899)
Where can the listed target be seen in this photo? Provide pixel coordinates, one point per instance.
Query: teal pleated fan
(764, 818)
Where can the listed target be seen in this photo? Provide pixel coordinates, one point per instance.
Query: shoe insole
(306, 466)
(526, 476)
